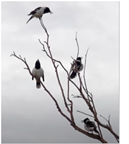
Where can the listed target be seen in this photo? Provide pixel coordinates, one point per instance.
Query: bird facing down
(76, 67)
(37, 72)
(38, 12)
(89, 125)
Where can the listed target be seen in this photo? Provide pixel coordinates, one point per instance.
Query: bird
(76, 67)
(89, 125)
(38, 72)
(38, 12)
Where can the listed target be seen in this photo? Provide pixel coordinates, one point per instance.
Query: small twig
(104, 118)
(71, 102)
(84, 73)
(109, 121)
(26, 68)
(57, 66)
(76, 96)
(85, 113)
(77, 45)
(73, 58)
(23, 60)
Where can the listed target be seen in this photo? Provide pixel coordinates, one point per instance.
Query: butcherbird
(76, 67)
(38, 12)
(37, 72)
(90, 125)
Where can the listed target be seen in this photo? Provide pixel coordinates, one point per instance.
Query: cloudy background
(29, 115)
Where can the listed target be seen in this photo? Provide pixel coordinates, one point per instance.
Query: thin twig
(85, 113)
(71, 102)
(84, 72)
(77, 45)
(76, 96)
(104, 118)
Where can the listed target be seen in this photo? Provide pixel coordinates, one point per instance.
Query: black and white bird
(89, 125)
(76, 67)
(38, 72)
(38, 12)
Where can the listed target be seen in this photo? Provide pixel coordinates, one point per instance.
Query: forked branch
(84, 94)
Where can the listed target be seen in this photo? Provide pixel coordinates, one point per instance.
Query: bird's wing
(73, 66)
(73, 74)
(43, 75)
(33, 73)
(34, 11)
(91, 124)
(78, 63)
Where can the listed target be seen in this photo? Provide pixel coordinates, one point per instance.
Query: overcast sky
(28, 114)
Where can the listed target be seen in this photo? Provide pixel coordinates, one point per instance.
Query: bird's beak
(82, 121)
(51, 12)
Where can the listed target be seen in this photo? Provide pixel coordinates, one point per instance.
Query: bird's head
(37, 61)
(47, 10)
(79, 58)
(85, 120)
(37, 64)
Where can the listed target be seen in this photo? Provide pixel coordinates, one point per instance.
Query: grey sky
(28, 114)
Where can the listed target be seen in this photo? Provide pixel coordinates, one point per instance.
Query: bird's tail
(73, 75)
(96, 130)
(29, 19)
(38, 85)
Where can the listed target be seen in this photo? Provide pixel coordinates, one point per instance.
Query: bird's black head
(47, 10)
(79, 58)
(85, 120)
(37, 64)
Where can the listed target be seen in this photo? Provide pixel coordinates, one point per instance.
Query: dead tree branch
(49, 93)
(82, 89)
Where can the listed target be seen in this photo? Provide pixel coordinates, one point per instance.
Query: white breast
(37, 72)
(88, 128)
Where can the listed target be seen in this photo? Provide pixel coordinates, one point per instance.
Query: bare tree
(85, 95)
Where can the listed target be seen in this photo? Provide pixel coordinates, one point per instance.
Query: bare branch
(59, 109)
(56, 71)
(94, 136)
(85, 113)
(77, 45)
(82, 89)
(84, 73)
(23, 60)
(76, 96)
(104, 118)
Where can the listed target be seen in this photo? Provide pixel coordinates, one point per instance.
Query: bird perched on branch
(38, 12)
(76, 67)
(89, 125)
(37, 72)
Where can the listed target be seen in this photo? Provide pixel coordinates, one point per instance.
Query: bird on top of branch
(38, 12)
(76, 67)
(90, 125)
(38, 72)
